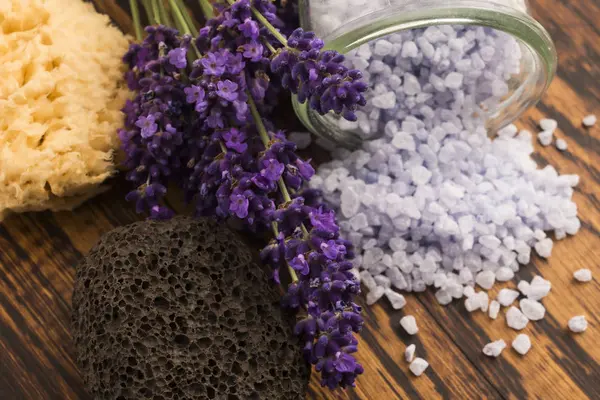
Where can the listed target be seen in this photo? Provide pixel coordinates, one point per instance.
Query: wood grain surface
(39, 251)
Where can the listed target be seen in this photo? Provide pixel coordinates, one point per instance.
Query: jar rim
(424, 13)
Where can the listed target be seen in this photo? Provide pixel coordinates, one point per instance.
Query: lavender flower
(199, 126)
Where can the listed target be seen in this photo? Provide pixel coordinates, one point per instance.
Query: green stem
(182, 21)
(264, 137)
(135, 14)
(156, 12)
(164, 14)
(188, 18)
(261, 18)
(207, 8)
(148, 9)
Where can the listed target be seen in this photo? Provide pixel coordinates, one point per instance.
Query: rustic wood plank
(39, 252)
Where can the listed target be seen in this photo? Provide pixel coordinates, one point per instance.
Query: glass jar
(345, 26)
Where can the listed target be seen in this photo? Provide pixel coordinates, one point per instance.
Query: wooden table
(38, 254)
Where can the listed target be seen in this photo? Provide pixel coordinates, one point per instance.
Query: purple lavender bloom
(239, 205)
(214, 64)
(227, 90)
(331, 249)
(249, 29)
(306, 170)
(253, 51)
(177, 57)
(323, 221)
(272, 169)
(194, 93)
(300, 265)
(147, 125)
(235, 64)
(319, 76)
(234, 139)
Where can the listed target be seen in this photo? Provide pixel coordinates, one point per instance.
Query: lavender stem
(135, 14)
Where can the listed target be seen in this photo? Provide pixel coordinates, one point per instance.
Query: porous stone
(181, 310)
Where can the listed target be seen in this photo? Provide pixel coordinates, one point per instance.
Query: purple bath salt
(430, 200)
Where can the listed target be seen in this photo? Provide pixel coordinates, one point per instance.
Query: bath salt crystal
(578, 324)
(538, 288)
(454, 80)
(494, 349)
(521, 344)
(590, 120)
(301, 139)
(494, 309)
(533, 310)
(396, 299)
(561, 144)
(382, 48)
(439, 197)
(523, 287)
(375, 294)
(443, 297)
(583, 275)
(409, 324)
(547, 124)
(545, 138)
(468, 291)
(385, 101)
(477, 301)
(367, 279)
(418, 366)
(508, 131)
(544, 247)
(515, 319)
(486, 279)
(409, 353)
(504, 274)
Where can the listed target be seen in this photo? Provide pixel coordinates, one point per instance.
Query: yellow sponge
(61, 91)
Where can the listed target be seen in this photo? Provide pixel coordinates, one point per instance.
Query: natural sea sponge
(61, 91)
(180, 310)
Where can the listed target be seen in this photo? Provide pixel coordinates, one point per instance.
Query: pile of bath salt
(434, 201)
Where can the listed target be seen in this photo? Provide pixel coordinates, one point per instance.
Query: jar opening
(537, 56)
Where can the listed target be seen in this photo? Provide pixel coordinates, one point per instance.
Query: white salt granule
(486, 279)
(396, 299)
(494, 309)
(409, 353)
(544, 247)
(545, 138)
(521, 344)
(523, 287)
(468, 291)
(583, 275)
(538, 288)
(548, 124)
(507, 296)
(516, 319)
(478, 301)
(533, 310)
(494, 349)
(375, 294)
(578, 324)
(418, 366)
(561, 144)
(590, 120)
(409, 323)
(504, 274)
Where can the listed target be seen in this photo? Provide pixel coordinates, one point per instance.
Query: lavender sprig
(198, 121)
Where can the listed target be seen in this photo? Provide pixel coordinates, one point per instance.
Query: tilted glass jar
(346, 25)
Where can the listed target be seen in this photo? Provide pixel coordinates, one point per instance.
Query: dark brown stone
(180, 310)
